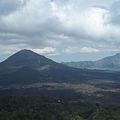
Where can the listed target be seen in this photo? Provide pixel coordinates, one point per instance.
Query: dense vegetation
(45, 108)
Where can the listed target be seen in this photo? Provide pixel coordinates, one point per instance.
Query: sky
(62, 30)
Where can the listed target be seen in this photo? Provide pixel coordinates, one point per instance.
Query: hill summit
(26, 58)
(28, 67)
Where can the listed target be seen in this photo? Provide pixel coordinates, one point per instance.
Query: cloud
(89, 24)
(10, 49)
(89, 50)
(49, 51)
(42, 19)
(9, 6)
(31, 19)
(115, 13)
(37, 24)
(33, 24)
(70, 50)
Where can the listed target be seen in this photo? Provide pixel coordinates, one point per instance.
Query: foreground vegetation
(46, 108)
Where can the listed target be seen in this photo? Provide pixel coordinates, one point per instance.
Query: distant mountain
(27, 67)
(107, 63)
(27, 58)
(26, 73)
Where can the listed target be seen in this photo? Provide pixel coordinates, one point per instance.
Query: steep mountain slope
(27, 67)
(26, 58)
(26, 73)
(111, 62)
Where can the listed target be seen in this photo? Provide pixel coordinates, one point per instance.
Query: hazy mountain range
(107, 63)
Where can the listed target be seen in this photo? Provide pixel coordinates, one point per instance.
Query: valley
(100, 92)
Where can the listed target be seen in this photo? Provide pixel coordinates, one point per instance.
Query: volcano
(28, 67)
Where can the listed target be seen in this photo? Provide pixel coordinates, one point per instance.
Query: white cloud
(89, 50)
(37, 24)
(44, 19)
(70, 50)
(10, 49)
(49, 51)
(32, 18)
(90, 23)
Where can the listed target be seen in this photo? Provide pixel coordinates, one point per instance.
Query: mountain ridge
(27, 67)
(23, 74)
(26, 58)
(107, 63)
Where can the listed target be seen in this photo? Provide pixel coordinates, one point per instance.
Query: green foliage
(44, 108)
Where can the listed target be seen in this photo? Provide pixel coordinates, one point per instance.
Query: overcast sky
(63, 30)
